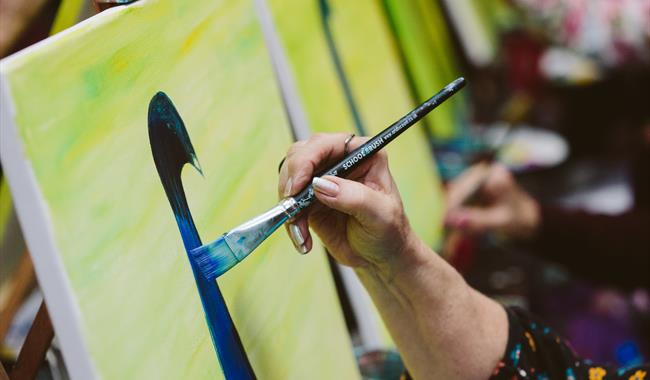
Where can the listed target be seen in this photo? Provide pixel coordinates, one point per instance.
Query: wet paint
(172, 149)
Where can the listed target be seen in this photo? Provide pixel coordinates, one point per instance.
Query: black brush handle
(367, 150)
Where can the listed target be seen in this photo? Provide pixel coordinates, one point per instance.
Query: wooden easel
(41, 333)
(38, 341)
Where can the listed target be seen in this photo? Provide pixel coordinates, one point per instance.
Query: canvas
(106, 247)
(376, 85)
(429, 60)
(349, 79)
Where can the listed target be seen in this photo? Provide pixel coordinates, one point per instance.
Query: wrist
(414, 274)
(409, 256)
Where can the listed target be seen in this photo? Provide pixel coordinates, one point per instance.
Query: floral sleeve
(535, 351)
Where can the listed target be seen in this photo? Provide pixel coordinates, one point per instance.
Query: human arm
(609, 249)
(435, 318)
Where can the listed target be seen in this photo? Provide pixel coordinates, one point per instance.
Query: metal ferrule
(243, 239)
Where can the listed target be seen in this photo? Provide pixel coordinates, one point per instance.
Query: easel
(41, 333)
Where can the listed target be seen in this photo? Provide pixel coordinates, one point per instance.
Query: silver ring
(347, 142)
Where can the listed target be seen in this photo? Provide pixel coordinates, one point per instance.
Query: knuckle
(294, 156)
(316, 137)
(294, 166)
(358, 199)
(295, 147)
(382, 157)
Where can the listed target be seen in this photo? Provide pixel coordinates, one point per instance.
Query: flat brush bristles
(213, 259)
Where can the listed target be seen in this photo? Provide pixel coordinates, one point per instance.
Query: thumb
(352, 198)
(478, 220)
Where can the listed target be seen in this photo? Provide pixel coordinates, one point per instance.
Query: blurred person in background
(606, 249)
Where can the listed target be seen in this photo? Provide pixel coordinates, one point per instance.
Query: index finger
(304, 158)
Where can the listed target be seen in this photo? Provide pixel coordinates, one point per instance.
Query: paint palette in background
(104, 242)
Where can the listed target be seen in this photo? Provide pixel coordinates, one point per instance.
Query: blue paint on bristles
(214, 259)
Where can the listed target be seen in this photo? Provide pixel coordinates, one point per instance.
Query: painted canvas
(106, 247)
(428, 58)
(349, 79)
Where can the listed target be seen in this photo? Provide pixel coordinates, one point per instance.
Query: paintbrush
(216, 258)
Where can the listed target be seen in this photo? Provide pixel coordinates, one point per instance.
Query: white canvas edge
(35, 222)
(283, 75)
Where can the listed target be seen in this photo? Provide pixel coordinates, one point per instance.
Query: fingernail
(296, 235)
(326, 187)
(298, 239)
(287, 187)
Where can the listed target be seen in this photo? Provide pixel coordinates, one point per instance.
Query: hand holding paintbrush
(224, 253)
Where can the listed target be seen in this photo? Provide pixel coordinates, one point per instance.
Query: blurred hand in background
(496, 203)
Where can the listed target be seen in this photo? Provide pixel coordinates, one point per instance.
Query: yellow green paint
(67, 15)
(5, 207)
(429, 59)
(81, 110)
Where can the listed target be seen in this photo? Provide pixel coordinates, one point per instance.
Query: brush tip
(459, 82)
(214, 259)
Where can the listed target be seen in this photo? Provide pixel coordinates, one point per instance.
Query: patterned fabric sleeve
(535, 351)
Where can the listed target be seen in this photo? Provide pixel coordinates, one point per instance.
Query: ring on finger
(346, 147)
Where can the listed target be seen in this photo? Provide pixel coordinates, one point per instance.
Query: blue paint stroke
(172, 149)
(214, 259)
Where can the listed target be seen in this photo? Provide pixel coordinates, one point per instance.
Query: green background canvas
(80, 104)
(378, 85)
(428, 58)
